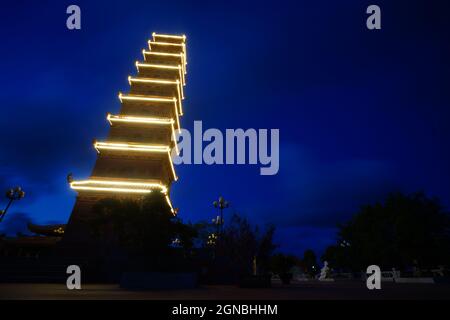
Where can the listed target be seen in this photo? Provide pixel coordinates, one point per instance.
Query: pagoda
(136, 157)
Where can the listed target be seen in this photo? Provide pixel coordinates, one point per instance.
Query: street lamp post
(12, 194)
(221, 204)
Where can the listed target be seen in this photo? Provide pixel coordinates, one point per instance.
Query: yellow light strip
(147, 185)
(131, 147)
(182, 92)
(170, 204)
(143, 98)
(175, 177)
(183, 45)
(131, 79)
(157, 81)
(139, 148)
(154, 34)
(125, 190)
(162, 121)
(162, 53)
(174, 138)
(182, 76)
(150, 65)
(149, 120)
(180, 55)
(161, 43)
(161, 66)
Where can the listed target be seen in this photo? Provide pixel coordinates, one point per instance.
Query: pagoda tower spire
(135, 159)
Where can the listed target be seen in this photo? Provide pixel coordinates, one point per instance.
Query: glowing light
(112, 118)
(131, 79)
(170, 204)
(131, 147)
(175, 177)
(161, 66)
(169, 36)
(162, 53)
(163, 82)
(162, 43)
(144, 98)
(111, 189)
(182, 92)
(115, 185)
(138, 148)
(161, 121)
(150, 65)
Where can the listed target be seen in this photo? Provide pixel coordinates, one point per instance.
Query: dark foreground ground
(299, 291)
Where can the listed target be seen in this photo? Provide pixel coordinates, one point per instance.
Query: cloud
(15, 223)
(310, 192)
(41, 143)
(296, 240)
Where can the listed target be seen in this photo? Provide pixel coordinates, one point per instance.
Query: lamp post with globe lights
(220, 204)
(12, 194)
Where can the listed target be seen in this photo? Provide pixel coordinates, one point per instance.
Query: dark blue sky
(361, 113)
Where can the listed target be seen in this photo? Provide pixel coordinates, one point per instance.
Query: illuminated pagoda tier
(135, 159)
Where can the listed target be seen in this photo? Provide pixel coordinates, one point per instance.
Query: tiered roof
(136, 157)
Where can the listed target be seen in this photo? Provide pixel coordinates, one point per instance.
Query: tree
(186, 233)
(335, 257)
(142, 227)
(241, 243)
(204, 230)
(310, 262)
(406, 228)
(281, 263)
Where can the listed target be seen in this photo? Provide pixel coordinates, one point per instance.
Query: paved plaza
(299, 291)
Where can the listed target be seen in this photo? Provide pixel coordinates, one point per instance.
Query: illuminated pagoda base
(136, 157)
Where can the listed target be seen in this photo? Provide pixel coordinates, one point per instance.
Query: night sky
(361, 113)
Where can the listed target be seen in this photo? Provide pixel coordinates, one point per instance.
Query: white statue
(325, 271)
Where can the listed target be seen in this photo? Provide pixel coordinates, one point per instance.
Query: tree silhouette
(281, 263)
(405, 229)
(310, 262)
(143, 227)
(241, 243)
